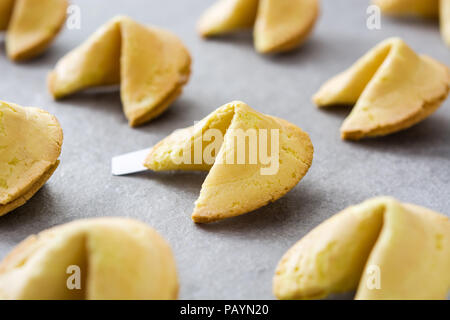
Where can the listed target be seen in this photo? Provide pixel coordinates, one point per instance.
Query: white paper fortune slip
(129, 163)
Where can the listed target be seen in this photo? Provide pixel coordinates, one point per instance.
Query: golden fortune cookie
(279, 25)
(391, 87)
(422, 8)
(381, 248)
(151, 65)
(30, 144)
(234, 187)
(30, 25)
(91, 259)
(444, 14)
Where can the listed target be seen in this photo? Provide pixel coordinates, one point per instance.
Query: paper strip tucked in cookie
(233, 187)
(391, 87)
(92, 259)
(30, 144)
(381, 248)
(279, 25)
(30, 25)
(151, 65)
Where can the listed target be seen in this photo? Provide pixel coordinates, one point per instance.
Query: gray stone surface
(234, 258)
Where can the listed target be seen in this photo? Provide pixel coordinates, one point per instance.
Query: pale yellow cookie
(6, 7)
(425, 8)
(30, 144)
(445, 20)
(91, 259)
(233, 188)
(279, 25)
(226, 16)
(381, 248)
(391, 88)
(151, 65)
(30, 25)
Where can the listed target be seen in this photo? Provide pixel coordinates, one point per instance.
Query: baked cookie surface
(30, 25)
(151, 65)
(391, 88)
(233, 188)
(279, 25)
(30, 144)
(118, 258)
(422, 8)
(381, 248)
(444, 16)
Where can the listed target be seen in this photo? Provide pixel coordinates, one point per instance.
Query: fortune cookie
(91, 259)
(30, 25)
(151, 65)
(422, 8)
(444, 14)
(30, 144)
(381, 248)
(279, 25)
(391, 88)
(253, 159)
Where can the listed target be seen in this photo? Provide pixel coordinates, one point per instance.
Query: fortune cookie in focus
(152, 65)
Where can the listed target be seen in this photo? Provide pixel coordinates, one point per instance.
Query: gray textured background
(233, 258)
